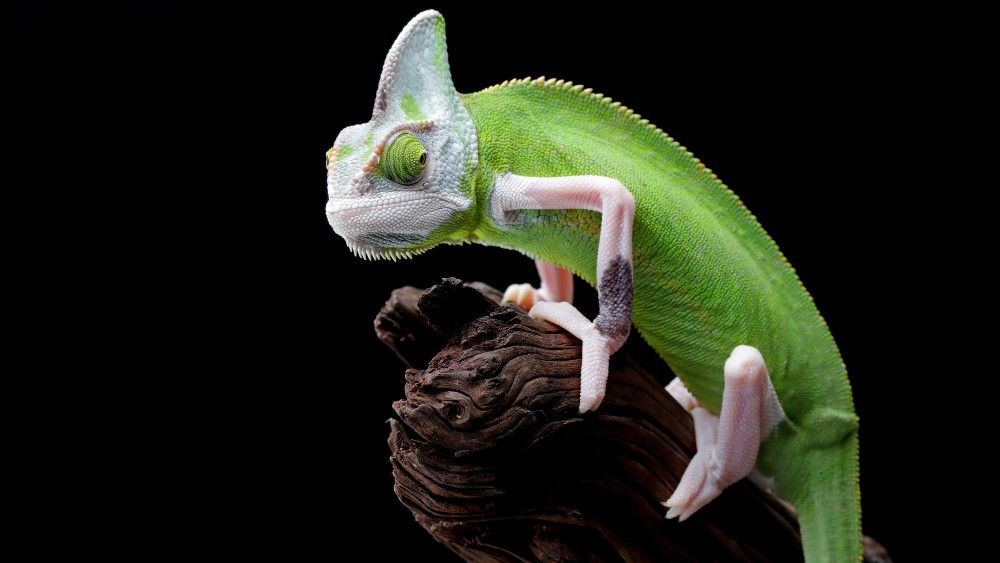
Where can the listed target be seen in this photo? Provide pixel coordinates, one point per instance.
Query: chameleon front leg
(557, 285)
(606, 334)
(728, 443)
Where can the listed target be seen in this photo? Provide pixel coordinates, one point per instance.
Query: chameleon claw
(521, 294)
(697, 487)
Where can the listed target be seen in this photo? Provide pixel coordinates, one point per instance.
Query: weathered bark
(494, 461)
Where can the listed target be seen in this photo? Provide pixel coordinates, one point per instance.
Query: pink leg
(557, 285)
(606, 334)
(596, 353)
(727, 444)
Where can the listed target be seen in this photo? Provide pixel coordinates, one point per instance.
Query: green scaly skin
(706, 278)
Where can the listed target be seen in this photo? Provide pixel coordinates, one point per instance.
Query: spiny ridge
(372, 253)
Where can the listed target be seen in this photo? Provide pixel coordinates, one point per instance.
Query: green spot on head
(344, 151)
(439, 46)
(410, 108)
(341, 152)
(369, 144)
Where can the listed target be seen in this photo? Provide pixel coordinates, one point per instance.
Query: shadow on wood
(493, 459)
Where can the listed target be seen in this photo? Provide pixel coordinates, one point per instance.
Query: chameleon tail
(828, 502)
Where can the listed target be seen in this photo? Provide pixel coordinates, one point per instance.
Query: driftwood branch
(494, 461)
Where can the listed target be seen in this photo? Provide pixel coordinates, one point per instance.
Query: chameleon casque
(583, 185)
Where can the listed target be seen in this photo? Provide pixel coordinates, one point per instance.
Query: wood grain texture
(494, 461)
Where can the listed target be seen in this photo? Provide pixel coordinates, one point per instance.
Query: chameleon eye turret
(404, 159)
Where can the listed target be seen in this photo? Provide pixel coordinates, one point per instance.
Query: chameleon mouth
(335, 206)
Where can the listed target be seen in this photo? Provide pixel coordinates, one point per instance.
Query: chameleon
(586, 187)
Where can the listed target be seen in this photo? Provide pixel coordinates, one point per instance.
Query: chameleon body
(702, 275)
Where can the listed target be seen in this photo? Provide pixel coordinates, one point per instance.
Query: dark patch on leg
(615, 300)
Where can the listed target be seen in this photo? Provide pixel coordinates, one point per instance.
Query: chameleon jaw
(392, 225)
(368, 252)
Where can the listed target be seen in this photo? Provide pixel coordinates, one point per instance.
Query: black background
(213, 126)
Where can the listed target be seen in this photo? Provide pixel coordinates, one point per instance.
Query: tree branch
(493, 459)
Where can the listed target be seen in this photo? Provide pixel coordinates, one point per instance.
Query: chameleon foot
(727, 444)
(557, 285)
(521, 294)
(596, 349)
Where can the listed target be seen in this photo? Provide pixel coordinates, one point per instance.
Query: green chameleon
(584, 185)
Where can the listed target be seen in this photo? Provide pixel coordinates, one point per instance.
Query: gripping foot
(728, 443)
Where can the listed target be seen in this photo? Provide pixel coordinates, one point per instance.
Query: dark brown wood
(492, 458)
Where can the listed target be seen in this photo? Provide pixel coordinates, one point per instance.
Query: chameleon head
(400, 183)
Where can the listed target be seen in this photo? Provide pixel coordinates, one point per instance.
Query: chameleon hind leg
(557, 285)
(728, 443)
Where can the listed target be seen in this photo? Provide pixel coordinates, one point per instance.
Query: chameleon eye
(404, 159)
